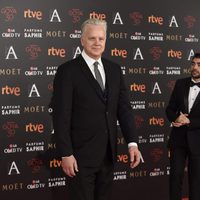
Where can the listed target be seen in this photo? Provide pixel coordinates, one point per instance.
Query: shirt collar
(90, 61)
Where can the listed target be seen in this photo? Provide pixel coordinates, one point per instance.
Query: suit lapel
(186, 103)
(109, 81)
(108, 76)
(85, 69)
(187, 88)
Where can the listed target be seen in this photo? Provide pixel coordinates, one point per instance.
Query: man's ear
(82, 40)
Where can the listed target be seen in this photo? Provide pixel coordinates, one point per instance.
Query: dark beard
(195, 76)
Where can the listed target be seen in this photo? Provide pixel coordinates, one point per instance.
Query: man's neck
(196, 80)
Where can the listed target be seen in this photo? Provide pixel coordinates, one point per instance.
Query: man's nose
(97, 41)
(196, 66)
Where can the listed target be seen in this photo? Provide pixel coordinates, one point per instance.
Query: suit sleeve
(62, 109)
(125, 114)
(172, 110)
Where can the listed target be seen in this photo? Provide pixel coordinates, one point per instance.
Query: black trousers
(178, 158)
(93, 183)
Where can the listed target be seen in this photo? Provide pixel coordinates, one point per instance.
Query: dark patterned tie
(98, 75)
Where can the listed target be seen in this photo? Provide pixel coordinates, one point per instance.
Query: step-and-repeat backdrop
(152, 41)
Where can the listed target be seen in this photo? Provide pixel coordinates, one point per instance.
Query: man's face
(93, 40)
(195, 68)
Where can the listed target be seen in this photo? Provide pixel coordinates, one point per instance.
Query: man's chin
(97, 55)
(196, 76)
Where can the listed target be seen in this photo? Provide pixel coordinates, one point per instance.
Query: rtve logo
(156, 121)
(122, 158)
(55, 163)
(33, 14)
(10, 90)
(119, 52)
(155, 20)
(95, 15)
(39, 128)
(174, 54)
(56, 52)
(138, 87)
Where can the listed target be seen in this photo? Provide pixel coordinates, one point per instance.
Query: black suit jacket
(185, 136)
(84, 117)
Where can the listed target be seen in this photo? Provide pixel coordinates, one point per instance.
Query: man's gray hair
(93, 21)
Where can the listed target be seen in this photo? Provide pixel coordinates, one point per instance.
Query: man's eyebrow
(195, 62)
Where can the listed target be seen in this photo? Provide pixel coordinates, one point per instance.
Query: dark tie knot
(193, 84)
(96, 64)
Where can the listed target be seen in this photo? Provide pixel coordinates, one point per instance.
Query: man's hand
(177, 124)
(181, 120)
(134, 156)
(69, 165)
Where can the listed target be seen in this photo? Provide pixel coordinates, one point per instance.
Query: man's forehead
(196, 60)
(94, 25)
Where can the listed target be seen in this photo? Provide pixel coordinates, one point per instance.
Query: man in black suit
(89, 97)
(183, 112)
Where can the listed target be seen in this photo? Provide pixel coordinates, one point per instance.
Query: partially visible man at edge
(183, 111)
(89, 97)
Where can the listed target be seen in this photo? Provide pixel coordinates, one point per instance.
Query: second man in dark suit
(183, 112)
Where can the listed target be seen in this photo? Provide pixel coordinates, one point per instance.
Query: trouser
(93, 183)
(178, 157)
